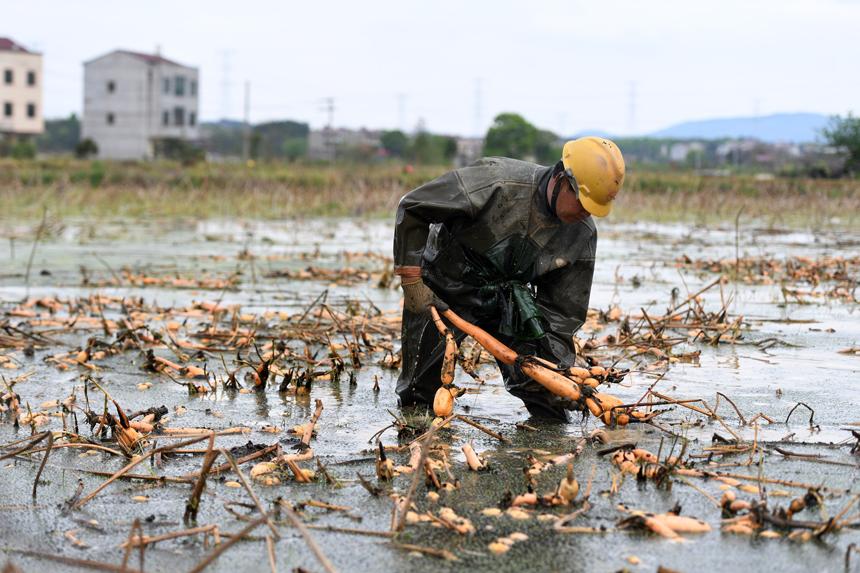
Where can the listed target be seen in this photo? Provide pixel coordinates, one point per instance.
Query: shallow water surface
(788, 354)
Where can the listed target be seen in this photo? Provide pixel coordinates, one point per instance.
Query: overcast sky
(626, 66)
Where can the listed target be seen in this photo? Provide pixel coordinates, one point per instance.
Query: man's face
(568, 208)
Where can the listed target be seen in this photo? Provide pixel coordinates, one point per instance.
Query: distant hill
(780, 127)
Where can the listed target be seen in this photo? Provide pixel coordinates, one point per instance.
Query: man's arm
(438, 201)
(563, 296)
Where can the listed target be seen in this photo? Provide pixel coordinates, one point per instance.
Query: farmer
(510, 246)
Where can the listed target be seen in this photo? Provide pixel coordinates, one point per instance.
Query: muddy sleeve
(438, 201)
(563, 296)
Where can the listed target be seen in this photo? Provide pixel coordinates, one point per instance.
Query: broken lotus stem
(545, 373)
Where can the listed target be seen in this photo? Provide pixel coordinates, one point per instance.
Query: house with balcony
(20, 91)
(133, 102)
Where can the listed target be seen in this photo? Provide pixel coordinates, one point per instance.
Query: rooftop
(10, 45)
(152, 59)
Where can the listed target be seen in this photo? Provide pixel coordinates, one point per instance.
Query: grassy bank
(95, 189)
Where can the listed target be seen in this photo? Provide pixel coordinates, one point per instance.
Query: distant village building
(20, 90)
(134, 101)
(679, 152)
(325, 144)
(733, 150)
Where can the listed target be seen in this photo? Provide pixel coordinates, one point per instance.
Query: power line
(328, 107)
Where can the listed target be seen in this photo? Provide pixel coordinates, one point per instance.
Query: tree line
(510, 135)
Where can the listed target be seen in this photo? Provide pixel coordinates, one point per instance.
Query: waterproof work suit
(489, 246)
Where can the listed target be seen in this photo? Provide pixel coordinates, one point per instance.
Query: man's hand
(418, 297)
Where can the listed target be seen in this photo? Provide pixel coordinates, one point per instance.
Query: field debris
(474, 461)
(827, 277)
(504, 544)
(669, 525)
(574, 383)
(237, 411)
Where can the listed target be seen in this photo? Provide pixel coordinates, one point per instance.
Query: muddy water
(635, 270)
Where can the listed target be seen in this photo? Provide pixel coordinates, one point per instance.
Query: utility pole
(328, 107)
(246, 136)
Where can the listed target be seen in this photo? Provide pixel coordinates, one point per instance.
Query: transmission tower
(328, 107)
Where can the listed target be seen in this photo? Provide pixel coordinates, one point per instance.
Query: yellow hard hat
(597, 167)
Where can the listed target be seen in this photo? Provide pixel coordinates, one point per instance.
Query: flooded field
(129, 310)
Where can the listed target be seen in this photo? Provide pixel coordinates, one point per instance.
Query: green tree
(23, 150)
(449, 147)
(60, 135)
(224, 138)
(511, 136)
(179, 150)
(422, 149)
(86, 148)
(432, 149)
(394, 142)
(254, 143)
(844, 132)
(547, 147)
(272, 139)
(294, 148)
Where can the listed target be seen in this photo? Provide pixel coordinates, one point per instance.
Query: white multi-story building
(132, 101)
(20, 90)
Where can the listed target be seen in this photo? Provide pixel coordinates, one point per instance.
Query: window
(110, 119)
(179, 116)
(165, 118)
(166, 85)
(31, 78)
(193, 88)
(192, 118)
(8, 76)
(111, 86)
(31, 110)
(179, 83)
(7, 109)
